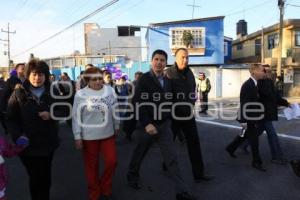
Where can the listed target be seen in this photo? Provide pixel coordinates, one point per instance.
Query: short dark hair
(138, 73)
(181, 49)
(18, 65)
(88, 72)
(66, 74)
(89, 65)
(160, 52)
(38, 66)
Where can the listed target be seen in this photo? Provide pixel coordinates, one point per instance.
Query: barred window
(198, 37)
(273, 41)
(297, 38)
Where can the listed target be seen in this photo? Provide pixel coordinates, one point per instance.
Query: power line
(248, 9)
(70, 26)
(121, 13)
(293, 5)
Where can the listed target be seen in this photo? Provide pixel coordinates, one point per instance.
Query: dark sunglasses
(96, 78)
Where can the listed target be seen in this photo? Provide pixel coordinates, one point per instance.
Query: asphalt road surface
(235, 179)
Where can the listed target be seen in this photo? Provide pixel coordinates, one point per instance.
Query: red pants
(92, 149)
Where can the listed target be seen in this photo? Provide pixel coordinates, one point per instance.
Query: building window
(297, 38)
(239, 46)
(225, 48)
(273, 41)
(258, 47)
(197, 32)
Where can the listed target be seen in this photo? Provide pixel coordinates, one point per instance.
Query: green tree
(187, 38)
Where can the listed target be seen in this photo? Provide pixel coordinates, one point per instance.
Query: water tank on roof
(241, 28)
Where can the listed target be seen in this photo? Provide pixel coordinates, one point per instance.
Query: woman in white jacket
(94, 129)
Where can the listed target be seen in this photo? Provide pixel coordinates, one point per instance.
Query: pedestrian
(8, 150)
(279, 85)
(17, 76)
(28, 114)
(271, 99)
(66, 89)
(250, 114)
(94, 129)
(108, 79)
(183, 82)
(123, 90)
(137, 76)
(151, 129)
(203, 88)
(129, 125)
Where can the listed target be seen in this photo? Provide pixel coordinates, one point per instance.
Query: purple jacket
(7, 150)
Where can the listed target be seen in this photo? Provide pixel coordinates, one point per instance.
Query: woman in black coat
(29, 114)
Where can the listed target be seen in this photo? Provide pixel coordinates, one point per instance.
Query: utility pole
(8, 42)
(194, 5)
(279, 59)
(262, 46)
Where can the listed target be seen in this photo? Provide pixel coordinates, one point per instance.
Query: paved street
(235, 178)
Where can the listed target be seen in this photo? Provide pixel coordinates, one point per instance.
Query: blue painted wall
(229, 50)
(74, 72)
(158, 38)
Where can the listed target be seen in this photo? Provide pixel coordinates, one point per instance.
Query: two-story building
(262, 46)
(123, 40)
(206, 51)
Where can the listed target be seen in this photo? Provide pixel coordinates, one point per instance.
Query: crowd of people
(102, 108)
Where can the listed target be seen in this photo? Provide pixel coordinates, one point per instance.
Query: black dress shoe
(164, 167)
(259, 167)
(296, 167)
(185, 196)
(231, 153)
(204, 178)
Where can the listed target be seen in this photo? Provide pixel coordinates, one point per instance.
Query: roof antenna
(194, 6)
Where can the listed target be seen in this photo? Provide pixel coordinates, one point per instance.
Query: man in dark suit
(184, 88)
(153, 100)
(250, 113)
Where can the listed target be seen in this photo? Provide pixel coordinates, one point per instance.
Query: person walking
(28, 114)
(152, 128)
(94, 129)
(183, 82)
(250, 113)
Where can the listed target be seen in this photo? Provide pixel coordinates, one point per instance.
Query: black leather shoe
(296, 167)
(204, 178)
(164, 167)
(259, 167)
(231, 153)
(185, 196)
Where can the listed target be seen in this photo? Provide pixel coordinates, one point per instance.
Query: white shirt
(254, 80)
(93, 113)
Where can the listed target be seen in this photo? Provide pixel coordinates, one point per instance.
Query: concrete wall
(270, 54)
(98, 39)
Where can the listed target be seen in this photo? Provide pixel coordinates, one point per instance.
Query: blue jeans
(273, 140)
